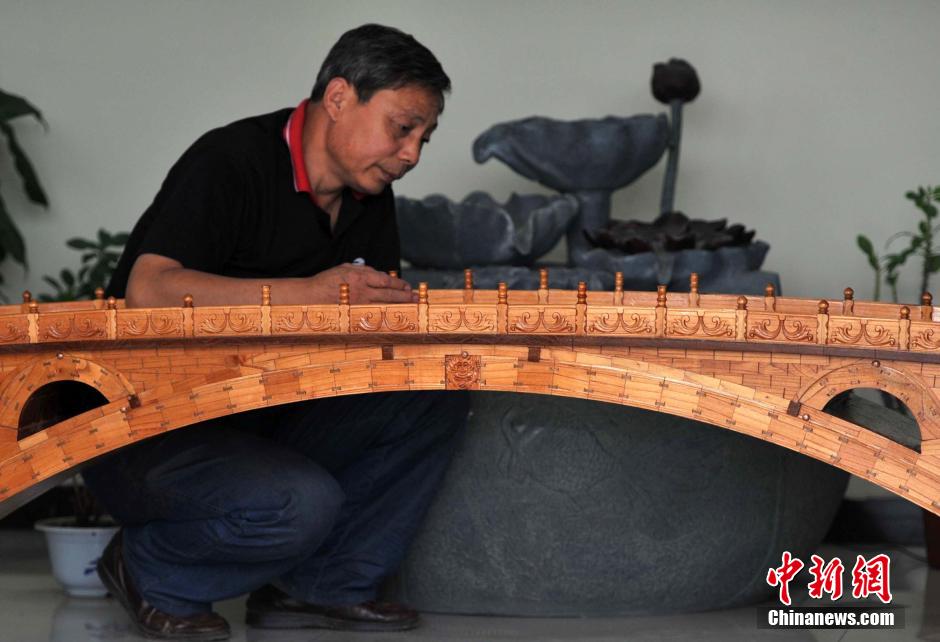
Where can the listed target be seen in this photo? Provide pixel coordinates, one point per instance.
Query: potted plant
(76, 542)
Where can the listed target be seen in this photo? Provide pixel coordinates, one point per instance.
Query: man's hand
(158, 281)
(366, 285)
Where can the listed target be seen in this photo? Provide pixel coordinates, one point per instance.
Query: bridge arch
(802, 428)
(22, 384)
(909, 389)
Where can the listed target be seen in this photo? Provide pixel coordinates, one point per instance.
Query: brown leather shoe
(271, 608)
(151, 622)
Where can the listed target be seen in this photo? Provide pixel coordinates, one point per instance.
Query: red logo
(869, 577)
(784, 574)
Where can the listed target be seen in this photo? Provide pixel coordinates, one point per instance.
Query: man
(310, 505)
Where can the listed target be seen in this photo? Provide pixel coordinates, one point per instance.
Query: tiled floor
(33, 608)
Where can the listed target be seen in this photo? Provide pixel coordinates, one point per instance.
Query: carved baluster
(660, 310)
(99, 298)
(189, 326)
(265, 309)
(693, 290)
(112, 317)
(580, 314)
(27, 299)
(502, 308)
(848, 302)
(344, 307)
(770, 298)
(618, 288)
(33, 320)
(423, 308)
(822, 322)
(468, 286)
(904, 333)
(926, 307)
(740, 319)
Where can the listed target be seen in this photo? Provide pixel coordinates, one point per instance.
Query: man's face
(374, 143)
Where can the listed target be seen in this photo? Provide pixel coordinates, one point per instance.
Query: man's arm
(158, 281)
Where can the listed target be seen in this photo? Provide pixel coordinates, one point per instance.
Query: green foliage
(11, 241)
(920, 243)
(99, 258)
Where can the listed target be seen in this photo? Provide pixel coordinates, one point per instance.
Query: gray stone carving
(569, 156)
(589, 158)
(438, 232)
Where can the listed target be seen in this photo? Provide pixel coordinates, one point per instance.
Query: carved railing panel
(149, 324)
(860, 331)
(544, 319)
(477, 319)
(620, 321)
(700, 324)
(383, 318)
(234, 321)
(925, 336)
(305, 319)
(73, 326)
(781, 328)
(14, 329)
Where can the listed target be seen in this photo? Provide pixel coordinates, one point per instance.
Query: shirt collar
(293, 136)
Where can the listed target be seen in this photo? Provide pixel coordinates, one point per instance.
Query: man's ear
(339, 95)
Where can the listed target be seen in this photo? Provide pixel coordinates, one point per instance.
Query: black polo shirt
(238, 203)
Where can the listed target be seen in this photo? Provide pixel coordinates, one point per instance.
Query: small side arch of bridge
(30, 378)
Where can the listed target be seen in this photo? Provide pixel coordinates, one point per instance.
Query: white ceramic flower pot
(74, 553)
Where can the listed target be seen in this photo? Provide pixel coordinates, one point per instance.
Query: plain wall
(814, 118)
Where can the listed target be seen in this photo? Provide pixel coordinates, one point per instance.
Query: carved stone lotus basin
(438, 232)
(590, 154)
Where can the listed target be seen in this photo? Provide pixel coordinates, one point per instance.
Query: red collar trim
(293, 136)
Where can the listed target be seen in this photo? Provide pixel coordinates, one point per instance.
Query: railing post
(33, 320)
(770, 298)
(112, 317)
(740, 319)
(580, 314)
(468, 286)
(660, 311)
(822, 322)
(693, 290)
(904, 330)
(265, 309)
(189, 326)
(848, 302)
(618, 288)
(344, 307)
(99, 299)
(423, 308)
(543, 286)
(27, 299)
(502, 309)
(926, 307)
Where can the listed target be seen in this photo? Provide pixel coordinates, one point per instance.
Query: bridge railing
(618, 313)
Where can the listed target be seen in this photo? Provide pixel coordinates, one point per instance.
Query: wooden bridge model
(763, 366)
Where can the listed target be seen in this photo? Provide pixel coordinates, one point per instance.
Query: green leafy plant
(887, 267)
(99, 258)
(11, 241)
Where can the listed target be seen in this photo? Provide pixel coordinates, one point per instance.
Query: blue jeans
(320, 498)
